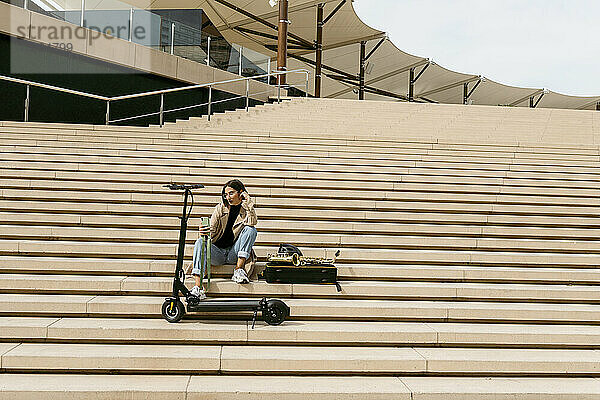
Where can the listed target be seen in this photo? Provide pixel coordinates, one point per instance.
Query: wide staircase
(469, 258)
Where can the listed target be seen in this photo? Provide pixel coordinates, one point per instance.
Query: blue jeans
(241, 248)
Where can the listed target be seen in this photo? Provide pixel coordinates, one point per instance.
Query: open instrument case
(290, 266)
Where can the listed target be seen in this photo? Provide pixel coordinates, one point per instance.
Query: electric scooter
(273, 311)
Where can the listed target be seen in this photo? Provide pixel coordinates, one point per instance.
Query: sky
(552, 44)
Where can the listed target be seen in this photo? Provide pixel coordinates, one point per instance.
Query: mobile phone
(205, 222)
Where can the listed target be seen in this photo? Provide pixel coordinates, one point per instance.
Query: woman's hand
(204, 230)
(245, 197)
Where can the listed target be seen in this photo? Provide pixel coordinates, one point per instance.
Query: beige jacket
(246, 217)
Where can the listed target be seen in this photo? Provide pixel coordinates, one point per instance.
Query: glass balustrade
(177, 32)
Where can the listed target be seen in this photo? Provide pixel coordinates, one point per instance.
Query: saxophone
(299, 261)
(284, 259)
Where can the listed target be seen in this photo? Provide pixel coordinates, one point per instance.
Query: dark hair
(234, 184)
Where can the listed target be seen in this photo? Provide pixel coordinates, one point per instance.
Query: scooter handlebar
(176, 186)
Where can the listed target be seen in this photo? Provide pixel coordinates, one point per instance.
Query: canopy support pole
(319, 48)
(466, 93)
(412, 79)
(598, 106)
(282, 34)
(532, 98)
(361, 88)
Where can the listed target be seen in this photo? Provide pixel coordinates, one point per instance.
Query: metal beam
(385, 93)
(319, 50)
(374, 49)
(273, 47)
(325, 67)
(261, 20)
(534, 105)
(338, 77)
(467, 93)
(514, 103)
(383, 77)
(271, 14)
(268, 36)
(421, 73)
(343, 44)
(446, 87)
(368, 89)
(586, 105)
(335, 10)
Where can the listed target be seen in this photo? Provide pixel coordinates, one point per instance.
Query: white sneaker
(236, 276)
(243, 276)
(239, 276)
(199, 293)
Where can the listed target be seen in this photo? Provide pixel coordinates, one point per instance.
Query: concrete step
(14, 305)
(265, 238)
(379, 272)
(118, 203)
(363, 255)
(567, 169)
(460, 291)
(293, 359)
(11, 188)
(407, 175)
(283, 139)
(282, 225)
(413, 167)
(111, 387)
(175, 145)
(95, 215)
(297, 332)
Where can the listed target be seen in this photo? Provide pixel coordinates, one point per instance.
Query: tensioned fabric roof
(387, 70)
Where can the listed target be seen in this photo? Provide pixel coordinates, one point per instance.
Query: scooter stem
(181, 247)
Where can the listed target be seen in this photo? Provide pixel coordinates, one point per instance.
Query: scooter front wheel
(276, 312)
(173, 310)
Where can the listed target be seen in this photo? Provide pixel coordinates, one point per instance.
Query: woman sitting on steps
(233, 233)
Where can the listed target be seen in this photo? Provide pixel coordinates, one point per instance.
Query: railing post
(240, 66)
(247, 95)
(107, 112)
(131, 24)
(82, 21)
(162, 109)
(172, 37)
(208, 51)
(307, 77)
(278, 89)
(25, 4)
(209, 101)
(269, 71)
(27, 105)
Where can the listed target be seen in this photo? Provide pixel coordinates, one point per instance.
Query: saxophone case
(289, 266)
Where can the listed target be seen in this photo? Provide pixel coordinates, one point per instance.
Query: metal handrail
(162, 93)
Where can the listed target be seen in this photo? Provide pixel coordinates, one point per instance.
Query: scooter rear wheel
(173, 310)
(276, 312)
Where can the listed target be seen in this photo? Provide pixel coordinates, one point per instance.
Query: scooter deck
(224, 305)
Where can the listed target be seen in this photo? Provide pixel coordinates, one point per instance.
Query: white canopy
(251, 23)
